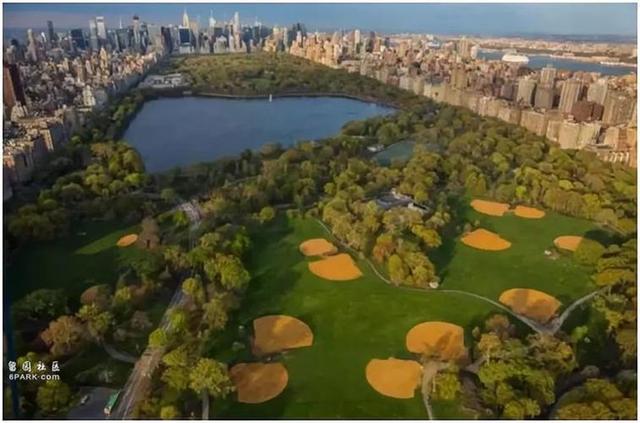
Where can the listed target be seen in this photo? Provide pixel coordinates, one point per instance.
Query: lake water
(172, 132)
(538, 62)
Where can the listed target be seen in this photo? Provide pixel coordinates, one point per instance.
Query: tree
(447, 386)
(266, 214)
(98, 322)
(212, 377)
(215, 314)
(64, 336)
(158, 338)
(176, 377)
(599, 399)
(194, 289)
(40, 305)
(588, 252)
(168, 195)
(169, 412)
(228, 270)
(53, 397)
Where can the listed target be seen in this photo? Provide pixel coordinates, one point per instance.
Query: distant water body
(540, 61)
(174, 132)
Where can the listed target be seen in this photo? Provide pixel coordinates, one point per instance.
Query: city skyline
(479, 19)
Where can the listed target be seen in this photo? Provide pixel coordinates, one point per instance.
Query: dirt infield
(531, 303)
(394, 378)
(483, 239)
(340, 267)
(568, 242)
(258, 382)
(127, 240)
(278, 332)
(528, 212)
(317, 247)
(441, 339)
(490, 207)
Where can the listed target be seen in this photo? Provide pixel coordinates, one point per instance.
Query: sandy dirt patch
(528, 212)
(440, 339)
(127, 240)
(489, 207)
(483, 239)
(278, 332)
(568, 242)
(317, 247)
(258, 382)
(340, 267)
(394, 378)
(531, 303)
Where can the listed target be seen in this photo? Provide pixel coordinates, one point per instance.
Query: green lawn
(87, 256)
(524, 265)
(354, 322)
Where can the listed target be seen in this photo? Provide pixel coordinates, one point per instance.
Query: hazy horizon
(446, 19)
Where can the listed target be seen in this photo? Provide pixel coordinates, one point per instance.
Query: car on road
(85, 399)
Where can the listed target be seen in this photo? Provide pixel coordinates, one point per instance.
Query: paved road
(94, 408)
(140, 378)
(119, 355)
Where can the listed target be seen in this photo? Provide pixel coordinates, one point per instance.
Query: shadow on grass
(442, 256)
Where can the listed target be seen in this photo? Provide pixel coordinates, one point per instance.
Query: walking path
(140, 378)
(119, 355)
(429, 370)
(548, 329)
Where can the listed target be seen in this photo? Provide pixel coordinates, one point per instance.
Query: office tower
(597, 91)
(569, 95)
(548, 76)
(526, 87)
(544, 97)
(77, 39)
(185, 19)
(32, 51)
(356, 37)
(618, 108)
(137, 44)
(13, 91)
(101, 28)
(51, 34)
(236, 22)
(93, 35)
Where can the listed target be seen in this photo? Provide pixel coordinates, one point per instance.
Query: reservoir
(540, 61)
(175, 132)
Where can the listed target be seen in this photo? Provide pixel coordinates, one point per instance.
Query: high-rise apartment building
(570, 93)
(526, 87)
(618, 108)
(13, 91)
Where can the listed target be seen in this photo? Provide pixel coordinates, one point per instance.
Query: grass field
(524, 265)
(86, 257)
(354, 322)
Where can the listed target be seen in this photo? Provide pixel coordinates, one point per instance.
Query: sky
(478, 19)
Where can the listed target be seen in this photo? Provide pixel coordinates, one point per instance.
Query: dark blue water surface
(174, 132)
(538, 62)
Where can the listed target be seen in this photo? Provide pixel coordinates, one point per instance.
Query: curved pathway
(549, 329)
(119, 355)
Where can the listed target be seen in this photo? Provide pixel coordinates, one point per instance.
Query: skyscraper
(93, 34)
(185, 19)
(618, 108)
(548, 76)
(137, 45)
(526, 87)
(13, 91)
(597, 91)
(570, 93)
(32, 51)
(52, 38)
(77, 39)
(101, 28)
